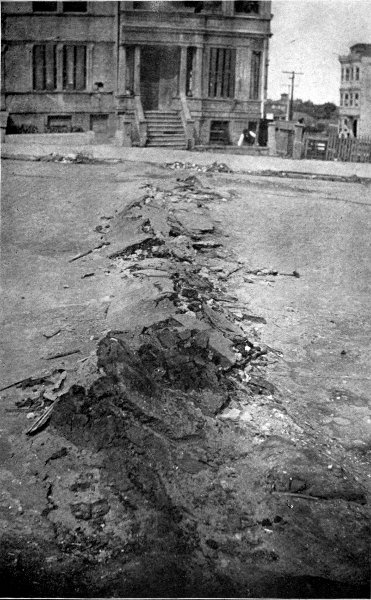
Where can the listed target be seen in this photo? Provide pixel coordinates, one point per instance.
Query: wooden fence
(335, 148)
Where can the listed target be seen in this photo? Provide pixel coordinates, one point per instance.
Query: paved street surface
(315, 325)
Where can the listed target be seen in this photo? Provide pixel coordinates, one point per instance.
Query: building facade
(355, 92)
(151, 73)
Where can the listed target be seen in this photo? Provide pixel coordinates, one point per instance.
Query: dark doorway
(263, 132)
(159, 71)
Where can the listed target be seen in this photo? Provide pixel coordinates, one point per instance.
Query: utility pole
(291, 105)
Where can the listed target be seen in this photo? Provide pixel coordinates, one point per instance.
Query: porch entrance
(159, 75)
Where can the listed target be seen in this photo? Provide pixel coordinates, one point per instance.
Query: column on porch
(121, 75)
(197, 72)
(183, 70)
(136, 85)
(59, 66)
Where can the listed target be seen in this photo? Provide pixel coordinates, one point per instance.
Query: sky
(308, 36)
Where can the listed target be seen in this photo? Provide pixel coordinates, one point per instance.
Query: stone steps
(164, 128)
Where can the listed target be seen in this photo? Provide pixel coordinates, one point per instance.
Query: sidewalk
(238, 163)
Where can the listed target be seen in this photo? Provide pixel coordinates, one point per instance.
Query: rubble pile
(76, 158)
(214, 167)
(167, 475)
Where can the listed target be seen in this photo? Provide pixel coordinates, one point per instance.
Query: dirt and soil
(196, 343)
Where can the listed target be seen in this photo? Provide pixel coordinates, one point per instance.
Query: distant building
(159, 70)
(355, 92)
(278, 108)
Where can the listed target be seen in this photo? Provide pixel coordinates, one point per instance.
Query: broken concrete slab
(193, 224)
(218, 320)
(222, 350)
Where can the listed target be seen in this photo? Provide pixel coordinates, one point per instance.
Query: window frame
(66, 67)
(255, 74)
(74, 12)
(245, 13)
(44, 10)
(48, 50)
(222, 72)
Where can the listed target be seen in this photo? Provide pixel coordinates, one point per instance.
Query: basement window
(59, 124)
(75, 7)
(246, 8)
(219, 132)
(44, 6)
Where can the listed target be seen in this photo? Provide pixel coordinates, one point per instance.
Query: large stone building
(355, 92)
(160, 73)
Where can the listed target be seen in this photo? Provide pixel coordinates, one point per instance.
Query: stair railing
(140, 121)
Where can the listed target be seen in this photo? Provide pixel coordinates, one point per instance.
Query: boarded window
(247, 8)
(222, 67)
(75, 7)
(44, 67)
(219, 132)
(74, 67)
(255, 75)
(44, 6)
(99, 123)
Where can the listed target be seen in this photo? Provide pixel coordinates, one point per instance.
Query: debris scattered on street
(62, 354)
(72, 158)
(51, 333)
(215, 167)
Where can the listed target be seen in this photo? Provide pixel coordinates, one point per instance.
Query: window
(59, 124)
(246, 8)
(350, 99)
(191, 51)
(44, 67)
(357, 74)
(75, 7)
(341, 98)
(129, 79)
(255, 75)
(356, 99)
(44, 6)
(342, 73)
(346, 99)
(74, 67)
(351, 73)
(222, 72)
(347, 73)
